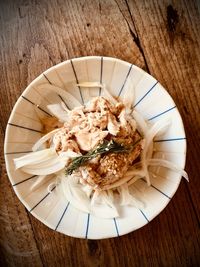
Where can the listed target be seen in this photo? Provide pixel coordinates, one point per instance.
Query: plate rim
(28, 87)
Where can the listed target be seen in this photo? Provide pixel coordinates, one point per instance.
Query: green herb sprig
(103, 148)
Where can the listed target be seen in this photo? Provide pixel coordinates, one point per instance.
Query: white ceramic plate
(24, 129)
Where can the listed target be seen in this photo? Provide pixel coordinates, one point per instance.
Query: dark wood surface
(162, 37)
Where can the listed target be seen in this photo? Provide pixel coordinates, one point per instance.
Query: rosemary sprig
(103, 148)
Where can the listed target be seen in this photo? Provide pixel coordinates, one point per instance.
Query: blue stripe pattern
(25, 180)
(47, 78)
(18, 152)
(76, 80)
(28, 100)
(116, 227)
(146, 94)
(23, 127)
(42, 199)
(125, 79)
(144, 215)
(87, 226)
(160, 191)
(158, 115)
(170, 139)
(101, 75)
(156, 189)
(57, 94)
(62, 216)
(63, 101)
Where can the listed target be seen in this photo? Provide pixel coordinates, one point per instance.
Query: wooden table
(163, 38)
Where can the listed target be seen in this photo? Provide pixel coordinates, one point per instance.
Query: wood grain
(161, 37)
(17, 242)
(172, 54)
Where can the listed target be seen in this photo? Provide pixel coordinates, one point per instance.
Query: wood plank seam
(194, 209)
(34, 236)
(134, 36)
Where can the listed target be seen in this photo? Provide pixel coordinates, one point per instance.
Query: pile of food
(96, 151)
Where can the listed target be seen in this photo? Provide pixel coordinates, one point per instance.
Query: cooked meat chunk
(113, 166)
(126, 137)
(109, 168)
(90, 175)
(90, 125)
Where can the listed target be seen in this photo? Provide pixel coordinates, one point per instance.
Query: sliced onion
(35, 157)
(44, 169)
(141, 123)
(103, 206)
(68, 154)
(149, 135)
(168, 164)
(129, 175)
(100, 85)
(41, 179)
(134, 191)
(146, 176)
(95, 198)
(134, 179)
(43, 164)
(90, 84)
(132, 122)
(153, 131)
(128, 199)
(87, 189)
(109, 96)
(51, 186)
(66, 95)
(64, 107)
(74, 193)
(129, 94)
(110, 195)
(150, 151)
(42, 140)
(100, 206)
(107, 198)
(58, 111)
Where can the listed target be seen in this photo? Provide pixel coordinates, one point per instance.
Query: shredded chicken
(87, 127)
